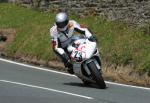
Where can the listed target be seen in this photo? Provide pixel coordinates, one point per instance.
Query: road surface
(21, 83)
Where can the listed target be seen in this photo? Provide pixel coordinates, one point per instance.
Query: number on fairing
(78, 54)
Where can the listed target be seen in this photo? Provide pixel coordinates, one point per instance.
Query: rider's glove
(92, 39)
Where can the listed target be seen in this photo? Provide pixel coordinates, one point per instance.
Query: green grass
(32, 30)
(119, 44)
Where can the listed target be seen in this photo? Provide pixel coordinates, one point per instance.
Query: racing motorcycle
(84, 56)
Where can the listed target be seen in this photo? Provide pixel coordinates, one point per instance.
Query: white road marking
(124, 85)
(48, 89)
(39, 68)
(44, 69)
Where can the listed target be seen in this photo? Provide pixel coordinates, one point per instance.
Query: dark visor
(62, 24)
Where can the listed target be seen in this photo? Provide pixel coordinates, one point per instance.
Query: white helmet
(62, 20)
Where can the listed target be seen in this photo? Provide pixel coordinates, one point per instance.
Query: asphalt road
(27, 84)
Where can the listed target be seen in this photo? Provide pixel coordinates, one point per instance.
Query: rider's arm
(82, 30)
(54, 41)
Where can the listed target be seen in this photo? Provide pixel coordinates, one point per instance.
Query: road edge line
(48, 89)
(54, 71)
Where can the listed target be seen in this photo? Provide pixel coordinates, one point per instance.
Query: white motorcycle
(84, 56)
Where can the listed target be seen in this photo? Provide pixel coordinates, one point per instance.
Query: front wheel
(97, 76)
(86, 83)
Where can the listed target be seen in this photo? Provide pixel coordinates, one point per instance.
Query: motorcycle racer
(61, 34)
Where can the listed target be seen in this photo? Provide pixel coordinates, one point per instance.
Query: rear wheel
(96, 74)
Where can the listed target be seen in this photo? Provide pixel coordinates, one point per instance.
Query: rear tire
(96, 74)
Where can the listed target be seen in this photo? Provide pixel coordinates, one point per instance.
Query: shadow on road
(82, 85)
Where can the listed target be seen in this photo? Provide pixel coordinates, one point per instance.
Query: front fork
(97, 63)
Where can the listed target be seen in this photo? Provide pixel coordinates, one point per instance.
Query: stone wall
(131, 11)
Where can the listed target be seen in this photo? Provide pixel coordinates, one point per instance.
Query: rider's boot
(69, 67)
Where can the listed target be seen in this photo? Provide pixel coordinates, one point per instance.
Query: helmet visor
(62, 24)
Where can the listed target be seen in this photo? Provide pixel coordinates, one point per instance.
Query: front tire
(96, 74)
(86, 83)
